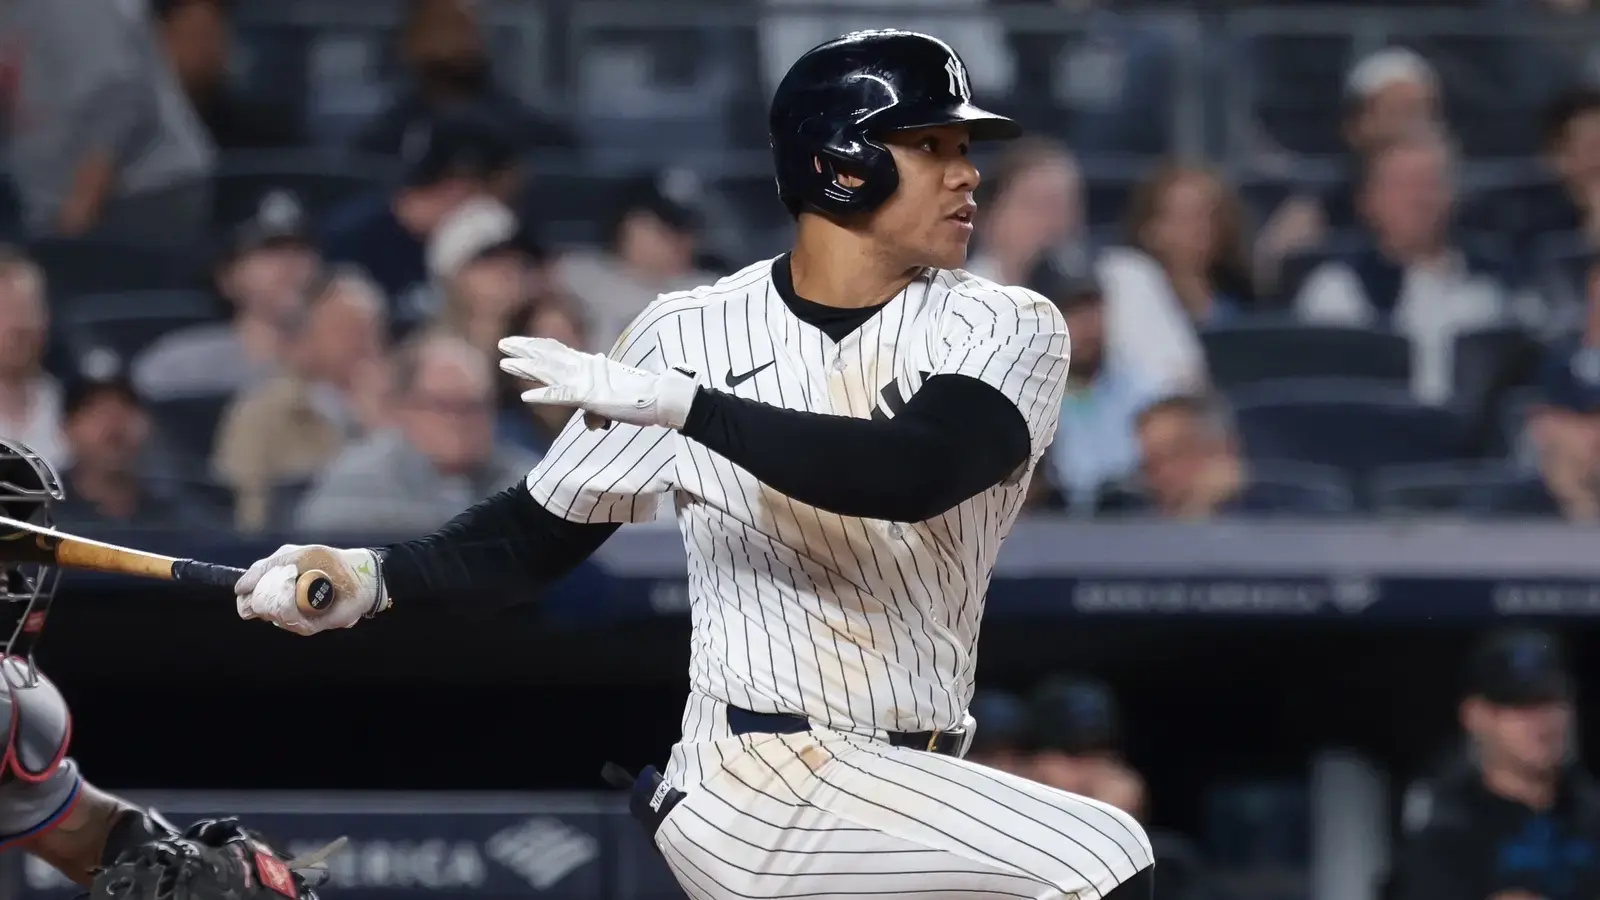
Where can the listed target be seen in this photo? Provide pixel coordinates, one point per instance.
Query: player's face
(1530, 738)
(928, 220)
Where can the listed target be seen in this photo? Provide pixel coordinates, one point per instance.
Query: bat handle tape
(206, 573)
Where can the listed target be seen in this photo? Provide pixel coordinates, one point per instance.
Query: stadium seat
(1282, 487)
(1297, 267)
(188, 425)
(318, 182)
(1488, 364)
(572, 207)
(10, 209)
(78, 266)
(1559, 267)
(1440, 487)
(127, 323)
(1356, 427)
(1523, 498)
(1266, 350)
(284, 502)
(1276, 487)
(206, 499)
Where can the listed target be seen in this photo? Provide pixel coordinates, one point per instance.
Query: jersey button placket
(838, 364)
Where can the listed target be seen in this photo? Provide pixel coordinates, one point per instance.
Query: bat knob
(313, 592)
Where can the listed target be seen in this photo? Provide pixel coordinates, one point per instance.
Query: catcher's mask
(29, 489)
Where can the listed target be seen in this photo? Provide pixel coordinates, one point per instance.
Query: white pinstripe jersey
(858, 624)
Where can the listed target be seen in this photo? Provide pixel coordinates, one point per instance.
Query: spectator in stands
(197, 37)
(442, 47)
(1184, 266)
(1031, 205)
(1565, 423)
(535, 427)
(1188, 457)
(1095, 443)
(1408, 274)
(1077, 743)
(264, 272)
(30, 400)
(337, 388)
(448, 160)
(1387, 93)
(1003, 733)
(1572, 146)
(107, 430)
(441, 458)
(650, 250)
(1517, 816)
(101, 137)
(479, 268)
(1191, 468)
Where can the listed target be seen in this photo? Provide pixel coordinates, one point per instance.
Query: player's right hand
(267, 589)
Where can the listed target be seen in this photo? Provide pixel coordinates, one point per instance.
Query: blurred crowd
(1503, 808)
(274, 354)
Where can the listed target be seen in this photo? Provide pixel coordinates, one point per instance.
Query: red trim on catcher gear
(275, 875)
(10, 765)
(48, 825)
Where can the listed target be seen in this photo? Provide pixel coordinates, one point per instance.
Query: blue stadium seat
(10, 209)
(1559, 267)
(187, 426)
(318, 181)
(1356, 427)
(1523, 498)
(78, 266)
(206, 499)
(1449, 487)
(127, 323)
(1274, 488)
(1259, 350)
(1488, 365)
(284, 501)
(1284, 487)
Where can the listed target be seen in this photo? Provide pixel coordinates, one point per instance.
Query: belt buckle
(933, 738)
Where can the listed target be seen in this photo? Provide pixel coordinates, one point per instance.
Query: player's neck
(838, 268)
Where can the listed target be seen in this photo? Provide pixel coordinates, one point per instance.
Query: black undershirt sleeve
(955, 438)
(497, 552)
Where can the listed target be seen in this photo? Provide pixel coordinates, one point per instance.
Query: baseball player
(845, 433)
(46, 807)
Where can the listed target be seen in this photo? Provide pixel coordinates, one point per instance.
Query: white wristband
(676, 396)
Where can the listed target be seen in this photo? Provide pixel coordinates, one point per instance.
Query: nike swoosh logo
(734, 381)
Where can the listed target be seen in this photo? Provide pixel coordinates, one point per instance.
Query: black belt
(743, 721)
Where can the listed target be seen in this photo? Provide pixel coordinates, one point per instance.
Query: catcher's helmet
(841, 95)
(29, 489)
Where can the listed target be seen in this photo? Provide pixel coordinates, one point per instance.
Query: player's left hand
(598, 384)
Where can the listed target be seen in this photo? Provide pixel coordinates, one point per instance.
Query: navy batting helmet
(841, 95)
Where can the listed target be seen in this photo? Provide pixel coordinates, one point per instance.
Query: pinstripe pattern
(862, 626)
(829, 814)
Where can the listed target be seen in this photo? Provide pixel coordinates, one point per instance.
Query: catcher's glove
(214, 859)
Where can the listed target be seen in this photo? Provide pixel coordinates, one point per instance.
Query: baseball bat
(25, 542)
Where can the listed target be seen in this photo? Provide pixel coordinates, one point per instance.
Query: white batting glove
(598, 384)
(267, 589)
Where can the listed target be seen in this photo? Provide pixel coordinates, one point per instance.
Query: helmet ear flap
(858, 158)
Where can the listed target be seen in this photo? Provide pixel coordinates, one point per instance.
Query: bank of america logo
(543, 850)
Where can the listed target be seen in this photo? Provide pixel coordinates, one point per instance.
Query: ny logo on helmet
(958, 78)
